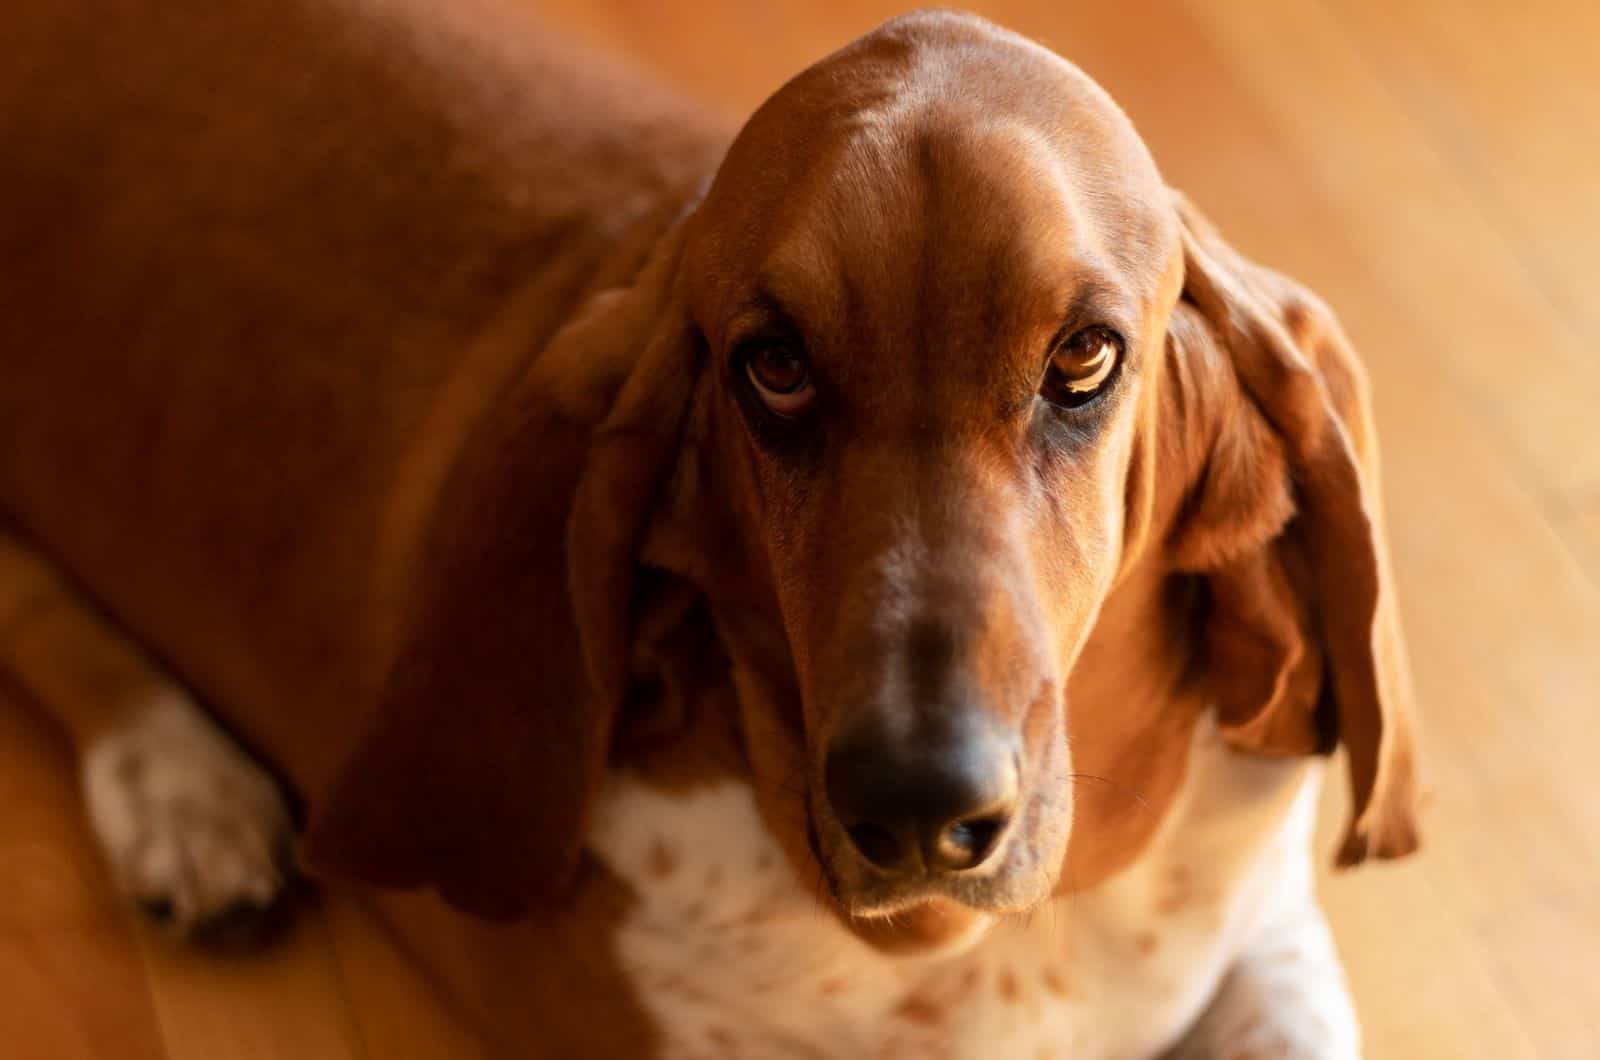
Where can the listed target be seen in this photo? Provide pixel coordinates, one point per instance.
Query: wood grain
(1428, 168)
(1580, 528)
(74, 983)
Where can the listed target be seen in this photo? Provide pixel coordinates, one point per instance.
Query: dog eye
(781, 378)
(1080, 367)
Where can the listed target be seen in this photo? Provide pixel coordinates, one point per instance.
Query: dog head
(974, 450)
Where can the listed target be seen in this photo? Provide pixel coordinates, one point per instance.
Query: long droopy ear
(490, 738)
(1302, 638)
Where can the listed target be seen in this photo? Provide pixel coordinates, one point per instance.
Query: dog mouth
(931, 928)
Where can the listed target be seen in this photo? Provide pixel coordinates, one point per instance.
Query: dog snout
(932, 801)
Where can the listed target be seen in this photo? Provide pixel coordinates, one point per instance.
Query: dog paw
(197, 834)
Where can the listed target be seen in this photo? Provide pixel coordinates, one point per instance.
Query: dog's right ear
(490, 740)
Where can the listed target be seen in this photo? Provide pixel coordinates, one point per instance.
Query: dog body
(699, 564)
(217, 244)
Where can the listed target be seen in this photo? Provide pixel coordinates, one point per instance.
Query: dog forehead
(939, 176)
(951, 247)
(914, 73)
(951, 200)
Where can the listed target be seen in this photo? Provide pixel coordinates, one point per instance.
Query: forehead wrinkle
(952, 237)
(838, 292)
(1013, 202)
(802, 277)
(1115, 258)
(844, 251)
(1020, 251)
(829, 241)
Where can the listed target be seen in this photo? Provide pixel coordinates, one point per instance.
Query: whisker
(1138, 796)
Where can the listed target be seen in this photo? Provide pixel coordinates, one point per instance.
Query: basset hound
(878, 582)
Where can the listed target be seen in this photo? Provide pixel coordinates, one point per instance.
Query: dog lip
(935, 928)
(891, 901)
(873, 894)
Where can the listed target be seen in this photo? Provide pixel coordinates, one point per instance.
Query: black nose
(934, 799)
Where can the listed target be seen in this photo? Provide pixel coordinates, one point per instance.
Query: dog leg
(1284, 999)
(195, 831)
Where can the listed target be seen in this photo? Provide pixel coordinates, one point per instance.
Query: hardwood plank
(1507, 95)
(1526, 373)
(394, 1004)
(285, 1002)
(1421, 989)
(1580, 529)
(71, 982)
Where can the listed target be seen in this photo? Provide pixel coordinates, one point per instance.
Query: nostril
(965, 844)
(932, 801)
(877, 844)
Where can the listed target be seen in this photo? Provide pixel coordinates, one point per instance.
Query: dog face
(930, 281)
(973, 460)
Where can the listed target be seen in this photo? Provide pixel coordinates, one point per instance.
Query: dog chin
(933, 918)
(933, 928)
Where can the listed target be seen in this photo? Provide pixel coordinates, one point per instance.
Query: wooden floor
(1431, 169)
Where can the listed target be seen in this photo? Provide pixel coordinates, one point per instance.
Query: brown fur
(376, 379)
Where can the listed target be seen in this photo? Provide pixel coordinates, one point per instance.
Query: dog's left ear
(1302, 638)
(490, 737)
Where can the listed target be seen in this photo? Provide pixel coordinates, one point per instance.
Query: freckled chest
(732, 957)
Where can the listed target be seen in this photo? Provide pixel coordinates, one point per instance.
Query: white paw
(195, 831)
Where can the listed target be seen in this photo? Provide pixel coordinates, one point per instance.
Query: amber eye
(781, 378)
(1080, 366)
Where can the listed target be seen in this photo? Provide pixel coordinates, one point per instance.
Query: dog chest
(732, 956)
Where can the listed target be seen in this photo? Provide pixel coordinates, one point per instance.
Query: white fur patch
(733, 958)
(189, 824)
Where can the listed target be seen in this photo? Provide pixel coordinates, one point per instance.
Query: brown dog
(921, 517)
